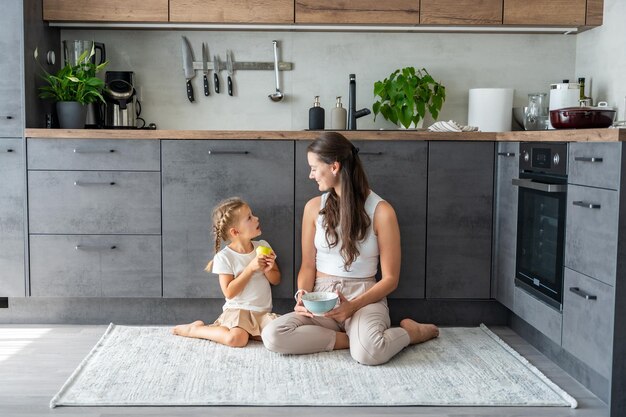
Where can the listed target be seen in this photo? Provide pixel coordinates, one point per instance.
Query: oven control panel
(542, 157)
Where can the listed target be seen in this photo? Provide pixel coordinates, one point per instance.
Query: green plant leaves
(406, 94)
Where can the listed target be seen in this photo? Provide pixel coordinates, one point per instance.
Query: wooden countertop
(581, 135)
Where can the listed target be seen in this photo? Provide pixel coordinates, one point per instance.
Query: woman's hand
(300, 308)
(345, 310)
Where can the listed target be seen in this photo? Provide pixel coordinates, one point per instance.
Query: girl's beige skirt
(251, 321)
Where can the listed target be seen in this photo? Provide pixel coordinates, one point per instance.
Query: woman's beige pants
(372, 341)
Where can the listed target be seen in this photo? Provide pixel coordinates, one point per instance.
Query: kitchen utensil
(72, 50)
(277, 96)
(229, 67)
(122, 107)
(536, 115)
(320, 302)
(218, 67)
(205, 67)
(188, 67)
(563, 95)
(582, 117)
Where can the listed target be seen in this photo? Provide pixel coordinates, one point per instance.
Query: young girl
(245, 278)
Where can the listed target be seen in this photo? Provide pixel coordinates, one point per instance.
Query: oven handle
(540, 186)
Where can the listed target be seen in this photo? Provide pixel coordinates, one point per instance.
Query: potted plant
(73, 87)
(406, 95)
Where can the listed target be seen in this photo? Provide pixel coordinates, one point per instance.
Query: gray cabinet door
(94, 202)
(199, 174)
(11, 69)
(95, 266)
(12, 197)
(591, 232)
(588, 323)
(94, 154)
(595, 164)
(459, 220)
(397, 172)
(505, 223)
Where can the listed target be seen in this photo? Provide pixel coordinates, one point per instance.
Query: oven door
(540, 237)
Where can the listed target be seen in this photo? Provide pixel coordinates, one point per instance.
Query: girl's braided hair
(224, 216)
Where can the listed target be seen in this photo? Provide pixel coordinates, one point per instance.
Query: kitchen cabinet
(396, 171)
(542, 12)
(588, 311)
(400, 12)
(595, 164)
(547, 319)
(196, 176)
(232, 11)
(11, 70)
(459, 220)
(94, 218)
(461, 12)
(12, 201)
(106, 10)
(505, 222)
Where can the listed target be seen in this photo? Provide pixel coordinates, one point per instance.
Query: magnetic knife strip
(246, 66)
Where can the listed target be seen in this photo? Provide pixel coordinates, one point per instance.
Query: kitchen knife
(205, 67)
(229, 67)
(216, 69)
(188, 67)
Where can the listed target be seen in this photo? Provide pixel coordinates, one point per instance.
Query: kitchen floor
(35, 361)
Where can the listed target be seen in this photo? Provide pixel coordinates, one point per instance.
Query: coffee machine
(122, 108)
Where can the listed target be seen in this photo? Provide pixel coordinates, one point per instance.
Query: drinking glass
(536, 117)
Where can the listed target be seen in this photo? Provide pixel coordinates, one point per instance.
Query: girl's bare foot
(419, 332)
(184, 329)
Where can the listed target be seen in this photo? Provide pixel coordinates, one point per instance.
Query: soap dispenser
(338, 116)
(316, 115)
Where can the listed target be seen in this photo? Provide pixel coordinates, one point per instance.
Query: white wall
(601, 57)
(322, 63)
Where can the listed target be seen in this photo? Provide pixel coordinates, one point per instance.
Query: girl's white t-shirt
(257, 294)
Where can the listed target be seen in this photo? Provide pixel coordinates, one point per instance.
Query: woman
(345, 232)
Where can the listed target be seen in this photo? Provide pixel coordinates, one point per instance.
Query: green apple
(263, 250)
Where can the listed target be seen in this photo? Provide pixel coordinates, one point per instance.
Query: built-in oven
(542, 185)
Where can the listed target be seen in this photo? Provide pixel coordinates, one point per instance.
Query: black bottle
(316, 116)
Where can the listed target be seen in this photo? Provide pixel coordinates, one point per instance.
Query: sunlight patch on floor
(13, 341)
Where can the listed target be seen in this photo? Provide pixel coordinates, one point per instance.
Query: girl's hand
(269, 260)
(345, 310)
(257, 264)
(300, 308)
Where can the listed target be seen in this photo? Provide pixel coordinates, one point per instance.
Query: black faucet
(352, 113)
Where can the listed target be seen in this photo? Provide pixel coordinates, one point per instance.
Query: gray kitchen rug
(148, 366)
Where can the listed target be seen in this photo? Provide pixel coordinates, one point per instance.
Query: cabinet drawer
(591, 232)
(538, 314)
(97, 154)
(595, 164)
(588, 323)
(88, 202)
(95, 266)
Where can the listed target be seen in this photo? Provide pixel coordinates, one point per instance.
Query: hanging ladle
(277, 96)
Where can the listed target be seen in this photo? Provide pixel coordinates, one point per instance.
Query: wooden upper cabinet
(374, 12)
(232, 11)
(595, 12)
(545, 12)
(106, 10)
(461, 12)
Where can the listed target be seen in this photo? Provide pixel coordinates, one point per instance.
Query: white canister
(490, 109)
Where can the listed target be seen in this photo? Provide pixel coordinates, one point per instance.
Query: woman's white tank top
(329, 260)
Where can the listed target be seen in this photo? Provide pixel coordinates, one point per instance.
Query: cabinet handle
(76, 150)
(370, 153)
(582, 293)
(548, 188)
(84, 183)
(228, 152)
(7, 117)
(9, 150)
(587, 204)
(587, 159)
(507, 154)
(95, 247)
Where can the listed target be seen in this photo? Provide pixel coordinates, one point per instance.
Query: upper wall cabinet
(106, 10)
(232, 11)
(403, 12)
(461, 12)
(542, 12)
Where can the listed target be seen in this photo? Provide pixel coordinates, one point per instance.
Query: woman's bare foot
(419, 332)
(184, 329)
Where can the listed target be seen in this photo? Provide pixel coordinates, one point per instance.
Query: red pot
(582, 117)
